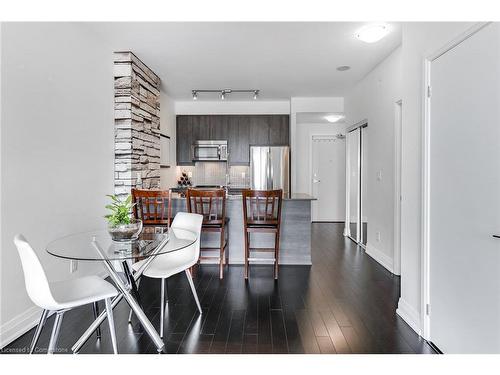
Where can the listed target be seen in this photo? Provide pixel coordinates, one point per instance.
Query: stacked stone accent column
(137, 124)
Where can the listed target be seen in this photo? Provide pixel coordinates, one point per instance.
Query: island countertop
(293, 197)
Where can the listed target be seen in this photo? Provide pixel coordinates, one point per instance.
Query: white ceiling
(281, 59)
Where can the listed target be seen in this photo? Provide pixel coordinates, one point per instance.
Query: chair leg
(95, 309)
(162, 307)
(55, 332)
(111, 322)
(247, 244)
(221, 255)
(38, 330)
(193, 289)
(276, 254)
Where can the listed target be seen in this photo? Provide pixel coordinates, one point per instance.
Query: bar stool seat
(208, 225)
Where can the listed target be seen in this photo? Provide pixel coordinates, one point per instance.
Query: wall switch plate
(73, 266)
(378, 236)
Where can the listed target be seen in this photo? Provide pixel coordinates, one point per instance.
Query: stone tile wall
(137, 124)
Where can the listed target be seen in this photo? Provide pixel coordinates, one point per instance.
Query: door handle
(496, 235)
(315, 180)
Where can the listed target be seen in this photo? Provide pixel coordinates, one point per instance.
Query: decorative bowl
(126, 232)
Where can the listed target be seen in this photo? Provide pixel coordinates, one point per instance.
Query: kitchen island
(295, 237)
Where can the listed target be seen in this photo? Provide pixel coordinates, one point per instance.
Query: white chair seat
(81, 291)
(166, 265)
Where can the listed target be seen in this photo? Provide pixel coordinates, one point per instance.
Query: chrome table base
(125, 292)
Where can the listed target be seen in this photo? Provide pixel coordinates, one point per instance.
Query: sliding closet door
(364, 185)
(464, 196)
(353, 183)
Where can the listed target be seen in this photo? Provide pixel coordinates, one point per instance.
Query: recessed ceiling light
(373, 33)
(334, 118)
(343, 68)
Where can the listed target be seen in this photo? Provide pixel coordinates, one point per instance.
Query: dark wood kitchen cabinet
(241, 132)
(279, 131)
(239, 140)
(184, 140)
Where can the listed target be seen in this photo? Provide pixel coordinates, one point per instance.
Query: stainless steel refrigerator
(270, 168)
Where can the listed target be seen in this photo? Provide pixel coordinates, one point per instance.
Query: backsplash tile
(214, 173)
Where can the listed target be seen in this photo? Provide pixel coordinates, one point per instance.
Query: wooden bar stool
(262, 214)
(212, 205)
(153, 207)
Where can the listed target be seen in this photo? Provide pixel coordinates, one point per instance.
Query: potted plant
(121, 226)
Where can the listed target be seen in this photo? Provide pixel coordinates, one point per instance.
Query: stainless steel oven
(209, 151)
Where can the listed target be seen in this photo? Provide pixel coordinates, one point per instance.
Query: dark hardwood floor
(344, 303)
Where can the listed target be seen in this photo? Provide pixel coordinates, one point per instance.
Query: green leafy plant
(120, 210)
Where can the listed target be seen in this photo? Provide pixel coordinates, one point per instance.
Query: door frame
(426, 136)
(311, 139)
(347, 227)
(398, 144)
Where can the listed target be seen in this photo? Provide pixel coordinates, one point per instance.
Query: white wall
(308, 105)
(419, 40)
(220, 107)
(168, 127)
(373, 99)
(56, 150)
(304, 132)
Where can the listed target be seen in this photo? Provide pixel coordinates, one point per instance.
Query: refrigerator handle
(271, 185)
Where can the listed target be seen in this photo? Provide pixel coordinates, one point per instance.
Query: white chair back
(192, 223)
(35, 279)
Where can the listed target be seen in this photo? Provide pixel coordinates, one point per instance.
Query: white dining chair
(185, 225)
(61, 296)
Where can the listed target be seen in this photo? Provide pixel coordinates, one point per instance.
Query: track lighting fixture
(224, 92)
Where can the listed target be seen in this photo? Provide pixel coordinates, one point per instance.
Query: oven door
(204, 152)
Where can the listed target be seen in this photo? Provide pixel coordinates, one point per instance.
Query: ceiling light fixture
(343, 68)
(224, 92)
(373, 33)
(334, 118)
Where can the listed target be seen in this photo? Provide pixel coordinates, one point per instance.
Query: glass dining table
(117, 257)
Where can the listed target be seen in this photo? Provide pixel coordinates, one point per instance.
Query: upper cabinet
(241, 132)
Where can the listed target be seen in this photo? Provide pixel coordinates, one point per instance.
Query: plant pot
(126, 232)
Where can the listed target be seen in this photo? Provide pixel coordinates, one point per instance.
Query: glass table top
(80, 246)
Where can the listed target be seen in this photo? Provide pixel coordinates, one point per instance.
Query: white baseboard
(19, 325)
(385, 260)
(409, 315)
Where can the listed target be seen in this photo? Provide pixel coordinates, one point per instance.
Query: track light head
(222, 95)
(195, 95)
(255, 94)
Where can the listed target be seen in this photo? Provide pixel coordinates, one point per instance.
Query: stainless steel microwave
(209, 151)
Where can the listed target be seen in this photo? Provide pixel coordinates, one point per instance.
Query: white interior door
(464, 196)
(328, 178)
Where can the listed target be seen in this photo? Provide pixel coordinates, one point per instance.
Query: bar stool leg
(276, 253)
(221, 255)
(226, 248)
(247, 244)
